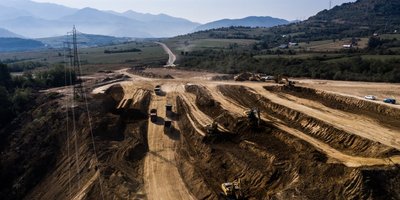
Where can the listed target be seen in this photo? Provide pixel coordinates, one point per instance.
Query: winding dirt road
(172, 57)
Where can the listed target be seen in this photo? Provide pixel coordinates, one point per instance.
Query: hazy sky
(209, 10)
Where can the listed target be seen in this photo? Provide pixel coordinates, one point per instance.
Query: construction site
(192, 138)
(166, 133)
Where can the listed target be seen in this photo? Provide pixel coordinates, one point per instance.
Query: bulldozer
(232, 190)
(280, 79)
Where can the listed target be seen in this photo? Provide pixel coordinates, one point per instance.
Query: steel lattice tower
(75, 64)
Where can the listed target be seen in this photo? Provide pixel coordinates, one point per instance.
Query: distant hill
(19, 44)
(163, 25)
(85, 40)
(7, 12)
(38, 20)
(246, 22)
(47, 11)
(94, 21)
(361, 18)
(4, 33)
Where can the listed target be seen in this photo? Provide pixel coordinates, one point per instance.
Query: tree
(374, 42)
(6, 113)
(21, 99)
(5, 77)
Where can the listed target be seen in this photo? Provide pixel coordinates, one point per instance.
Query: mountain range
(248, 22)
(4, 33)
(38, 20)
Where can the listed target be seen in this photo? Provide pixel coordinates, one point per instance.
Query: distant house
(347, 46)
(283, 46)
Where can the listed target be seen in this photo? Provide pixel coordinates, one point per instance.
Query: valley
(148, 106)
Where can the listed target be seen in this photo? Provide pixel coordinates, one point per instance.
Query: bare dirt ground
(356, 89)
(161, 176)
(310, 142)
(177, 168)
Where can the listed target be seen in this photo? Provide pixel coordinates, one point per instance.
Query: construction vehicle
(232, 190)
(212, 128)
(157, 89)
(255, 77)
(243, 76)
(167, 123)
(167, 126)
(390, 100)
(168, 110)
(153, 115)
(284, 80)
(253, 115)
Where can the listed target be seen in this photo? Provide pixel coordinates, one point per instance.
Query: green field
(150, 52)
(201, 44)
(301, 56)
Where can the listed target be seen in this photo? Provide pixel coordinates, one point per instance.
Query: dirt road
(161, 176)
(172, 57)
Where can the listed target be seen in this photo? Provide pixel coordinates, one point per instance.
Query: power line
(67, 127)
(78, 93)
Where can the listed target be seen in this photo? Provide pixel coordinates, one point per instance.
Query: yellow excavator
(280, 79)
(232, 190)
(254, 116)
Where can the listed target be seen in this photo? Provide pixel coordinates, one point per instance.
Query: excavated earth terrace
(308, 143)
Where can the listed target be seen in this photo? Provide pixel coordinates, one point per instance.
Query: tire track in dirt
(201, 118)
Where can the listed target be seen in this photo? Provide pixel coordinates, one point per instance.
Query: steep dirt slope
(66, 165)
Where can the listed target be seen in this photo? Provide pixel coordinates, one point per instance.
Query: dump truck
(167, 126)
(153, 115)
(157, 89)
(232, 190)
(167, 123)
(168, 110)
